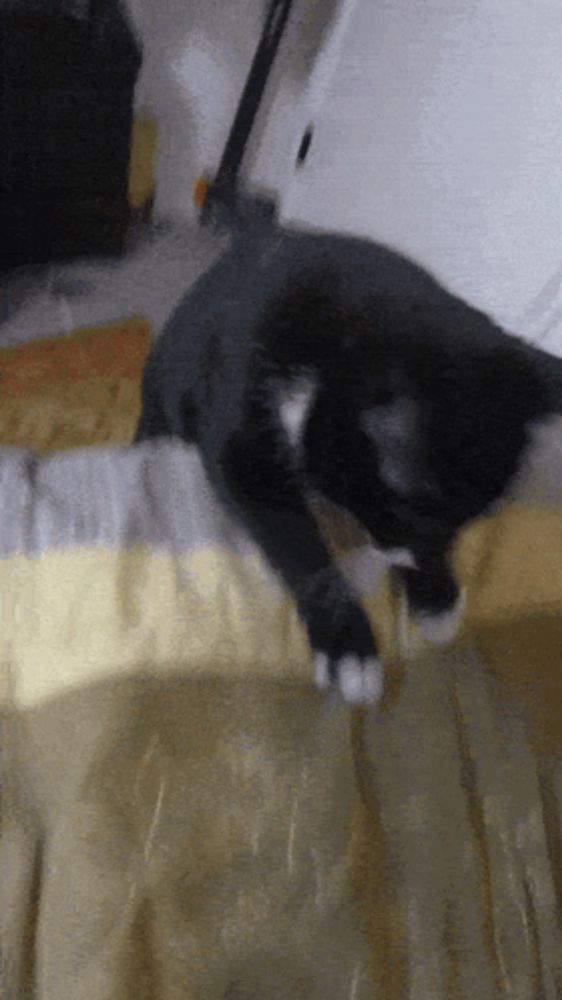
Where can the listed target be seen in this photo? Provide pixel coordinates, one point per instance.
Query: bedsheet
(184, 816)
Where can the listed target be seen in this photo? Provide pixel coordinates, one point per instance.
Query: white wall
(305, 65)
(442, 134)
(439, 130)
(196, 56)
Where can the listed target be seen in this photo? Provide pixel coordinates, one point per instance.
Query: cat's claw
(360, 681)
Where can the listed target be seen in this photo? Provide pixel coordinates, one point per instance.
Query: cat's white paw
(441, 629)
(360, 681)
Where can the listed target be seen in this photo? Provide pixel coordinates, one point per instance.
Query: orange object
(112, 351)
(76, 391)
(200, 188)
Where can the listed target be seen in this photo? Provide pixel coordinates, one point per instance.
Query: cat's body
(304, 363)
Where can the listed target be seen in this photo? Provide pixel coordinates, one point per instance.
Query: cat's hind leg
(435, 602)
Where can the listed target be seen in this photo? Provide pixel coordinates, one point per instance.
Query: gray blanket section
(155, 493)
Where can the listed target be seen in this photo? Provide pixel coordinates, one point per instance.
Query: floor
(147, 282)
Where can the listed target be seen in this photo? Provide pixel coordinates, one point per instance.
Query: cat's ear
(394, 429)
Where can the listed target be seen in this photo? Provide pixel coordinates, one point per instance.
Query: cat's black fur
(420, 414)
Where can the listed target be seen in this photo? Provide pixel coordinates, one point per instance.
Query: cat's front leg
(344, 649)
(254, 479)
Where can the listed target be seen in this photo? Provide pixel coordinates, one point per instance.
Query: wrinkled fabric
(64, 392)
(184, 816)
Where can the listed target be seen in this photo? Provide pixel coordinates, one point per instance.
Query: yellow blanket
(183, 816)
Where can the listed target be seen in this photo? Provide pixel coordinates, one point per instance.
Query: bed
(182, 814)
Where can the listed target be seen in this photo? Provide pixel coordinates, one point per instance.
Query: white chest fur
(294, 401)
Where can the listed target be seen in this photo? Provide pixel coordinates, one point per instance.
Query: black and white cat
(306, 364)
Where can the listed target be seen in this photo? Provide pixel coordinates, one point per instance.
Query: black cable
(224, 188)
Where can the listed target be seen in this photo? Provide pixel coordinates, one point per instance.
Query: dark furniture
(66, 92)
